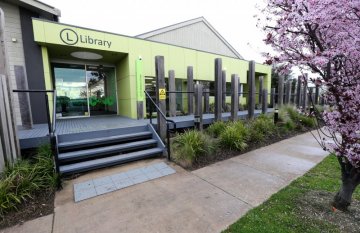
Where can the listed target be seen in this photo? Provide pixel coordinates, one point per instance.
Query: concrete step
(101, 133)
(86, 143)
(105, 150)
(109, 161)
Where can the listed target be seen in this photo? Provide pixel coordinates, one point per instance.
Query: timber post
(172, 94)
(223, 88)
(190, 90)
(280, 91)
(252, 90)
(160, 101)
(218, 89)
(272, 97)
(264, 105)
(234, 97)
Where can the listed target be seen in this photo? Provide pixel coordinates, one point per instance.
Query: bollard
(276, 116)
(198, 117)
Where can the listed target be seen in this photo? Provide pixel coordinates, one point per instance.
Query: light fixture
(86, 55)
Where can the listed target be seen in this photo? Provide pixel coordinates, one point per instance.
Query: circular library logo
(69, 36)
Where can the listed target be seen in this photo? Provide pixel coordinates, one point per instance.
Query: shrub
(260, 128)
(289, 125)
(20, 180)
(190, 145)
(216, 128)
(307, 121)
(234, 136)
(300, 119)
(283, 114)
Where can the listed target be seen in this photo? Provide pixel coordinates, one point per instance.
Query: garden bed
(193, 149)
(27, 188)
(223, 154)
(41, 205)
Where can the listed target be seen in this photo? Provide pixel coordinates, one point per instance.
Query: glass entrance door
(85, 90)
(71, 88)
(101, 90)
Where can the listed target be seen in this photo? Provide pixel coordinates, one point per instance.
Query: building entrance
(84, 90)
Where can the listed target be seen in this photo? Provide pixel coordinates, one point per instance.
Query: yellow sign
(162, 94)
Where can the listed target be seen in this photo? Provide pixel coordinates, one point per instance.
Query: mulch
(315, 206)
(41, 204)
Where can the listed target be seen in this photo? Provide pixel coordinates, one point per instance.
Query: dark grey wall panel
(34, 66)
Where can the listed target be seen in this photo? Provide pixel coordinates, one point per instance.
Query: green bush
(234, 136)
(307, 121)
(20, 180)
(299, 119)
(190, 145)
(283, 113)
(216, 128)
(261, 128)
(289, 125)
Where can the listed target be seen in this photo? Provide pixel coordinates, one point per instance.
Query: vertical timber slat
(172, 96)
(264, 105)
(261, 87)
(7, 116)
(317, 91)
(304, 94)
(190, 89)
(234, 97)
(223, 85)
(218, 88)
(298, 92)
(160, 84)
(207, 100)
(288, 92)
(272, 97)
(252, 90)
(24, 100)
(280, 91)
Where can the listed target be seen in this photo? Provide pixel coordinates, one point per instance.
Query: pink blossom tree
(323, 36)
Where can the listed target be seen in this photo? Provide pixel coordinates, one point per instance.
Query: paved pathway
(205, 200)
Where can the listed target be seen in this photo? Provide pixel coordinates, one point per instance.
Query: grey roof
(159, 35)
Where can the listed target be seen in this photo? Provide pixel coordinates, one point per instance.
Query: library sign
(70, 37)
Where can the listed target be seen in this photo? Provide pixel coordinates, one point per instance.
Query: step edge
(124, 157)
(128, 145)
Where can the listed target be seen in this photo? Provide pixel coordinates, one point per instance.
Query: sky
(233, 19)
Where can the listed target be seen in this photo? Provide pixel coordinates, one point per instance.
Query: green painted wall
(176, 58)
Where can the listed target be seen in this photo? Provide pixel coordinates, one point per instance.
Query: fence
(9, 146)
(197, 96)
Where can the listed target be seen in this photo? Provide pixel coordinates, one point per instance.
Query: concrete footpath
(205, 200)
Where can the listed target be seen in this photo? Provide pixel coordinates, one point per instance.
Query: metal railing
(51, 124)
(168, 121)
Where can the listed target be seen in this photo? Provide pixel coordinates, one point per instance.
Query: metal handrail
(54, 111)
(51, 125)
(167, 123)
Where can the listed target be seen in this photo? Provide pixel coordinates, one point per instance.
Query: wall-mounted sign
(162, 94)
(70, 37)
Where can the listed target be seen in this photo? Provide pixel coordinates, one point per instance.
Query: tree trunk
(350, 177)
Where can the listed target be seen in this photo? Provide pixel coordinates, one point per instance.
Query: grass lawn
(304, 206)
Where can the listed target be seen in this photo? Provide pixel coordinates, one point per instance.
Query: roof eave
(37, 6)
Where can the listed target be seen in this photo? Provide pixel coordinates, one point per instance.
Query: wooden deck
(39, 133)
